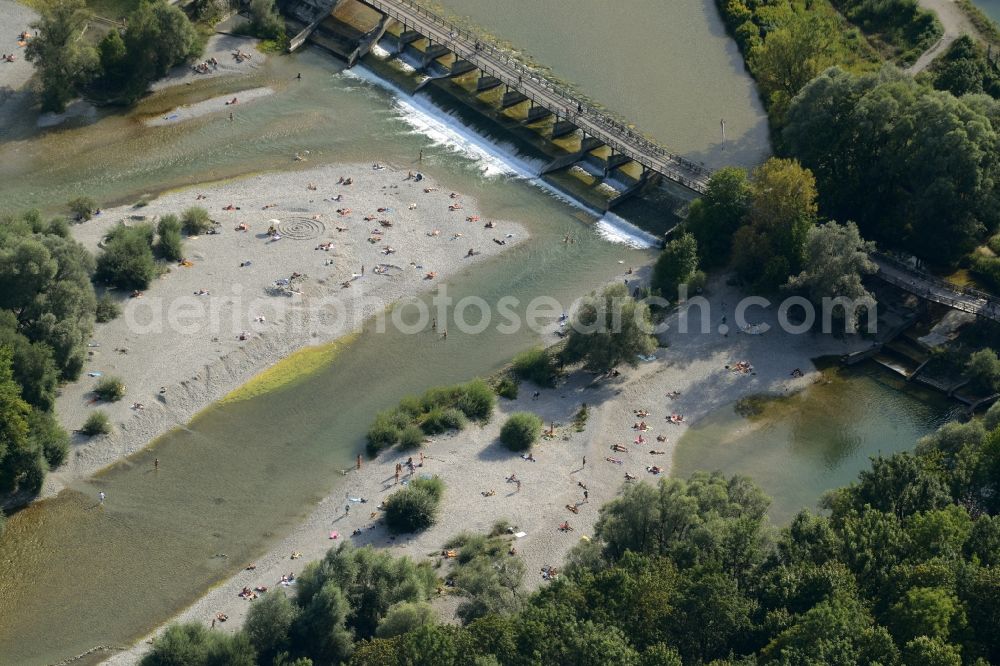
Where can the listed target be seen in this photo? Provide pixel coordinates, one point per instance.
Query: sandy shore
(221, 47)
(473, 462)
(178, 350)
(15, 18)
(218, 104)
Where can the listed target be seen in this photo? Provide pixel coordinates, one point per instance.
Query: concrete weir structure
(584, 146)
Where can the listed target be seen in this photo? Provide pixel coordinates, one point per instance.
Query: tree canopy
(609, 328)
(914, 167)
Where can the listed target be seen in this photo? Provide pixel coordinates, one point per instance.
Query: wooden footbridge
(524, 84)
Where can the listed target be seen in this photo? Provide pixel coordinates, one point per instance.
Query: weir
(446, 52)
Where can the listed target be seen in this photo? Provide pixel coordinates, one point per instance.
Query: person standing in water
(100, 497)
(156, 463)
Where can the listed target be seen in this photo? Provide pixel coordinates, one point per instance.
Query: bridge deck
(494, 62)
(937, 290)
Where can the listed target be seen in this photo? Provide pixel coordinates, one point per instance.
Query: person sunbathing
(573, 508)
(565, 526)
(620, 448)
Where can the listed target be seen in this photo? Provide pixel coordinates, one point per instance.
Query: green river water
(239, 476)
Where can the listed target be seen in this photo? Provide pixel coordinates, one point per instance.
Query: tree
(609, 329)
(914, 167)
(715, 217)
(792, 55)
(836, 257)
(45, 279)
(320, 630)
(63, 62)
(927, 651)
(195, 221)
(770, 246)
(127, 261)
(169, 245)
(925, 611)
(405, 617)
(415, 507)
(16, 456)
(675, 266)
(265, 21)
(268, 624)
(158, 37)
(983, 368)
(83, 208)
(107, 309)
(521, 431)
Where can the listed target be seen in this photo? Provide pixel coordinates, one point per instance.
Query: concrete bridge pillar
(614, 161)
(562, 128)
(536, 113)
(460, 67)
(512, 97)
(407, 36)
(433, 52)
(487, 82)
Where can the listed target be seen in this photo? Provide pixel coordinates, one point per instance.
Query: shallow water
(817, 440)
(990, 7)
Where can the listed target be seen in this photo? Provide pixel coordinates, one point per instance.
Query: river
(243, 474)
(799, 447)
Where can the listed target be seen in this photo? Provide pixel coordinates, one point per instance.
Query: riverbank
(207, 326)
(17, 18)
(472, 462)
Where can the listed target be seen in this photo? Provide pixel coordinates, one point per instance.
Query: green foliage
(675, 266)
(965, 69)
(835, 259)
(715, 217)
(507, 387)
(268, 624)
(537, 366)
(195, 221)
(411, 437)
(521, 431)
(609, 329)
(983, 368)
(771, 245)
(487, 576)
(158, 37)
(405, 617)
(194, 645)
(415, 507)
(96, 424)
(127, 260)
(438, 410)
(884, 169)
(169, 245)
(45, 280)
(83, 208)
(110, 389)
(265, 21)
(17, 457)
(107, 309)
(900, 28)
(63, 61)
(48, 437)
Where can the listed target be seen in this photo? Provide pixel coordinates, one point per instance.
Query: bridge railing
(572, 107)
(938, 282)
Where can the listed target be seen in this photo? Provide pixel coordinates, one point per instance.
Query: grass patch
(580, 418)
(293, 369)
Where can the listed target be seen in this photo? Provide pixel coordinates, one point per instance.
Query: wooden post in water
(722, 123)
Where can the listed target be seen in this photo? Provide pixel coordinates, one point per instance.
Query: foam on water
(494, 159)
(619, 230)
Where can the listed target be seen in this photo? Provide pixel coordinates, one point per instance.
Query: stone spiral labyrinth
(301, 228)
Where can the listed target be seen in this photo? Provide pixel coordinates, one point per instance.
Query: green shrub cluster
(901, 28)
(536, 366)
(521, 431)
(110, 389)
(96, 424)
(436, 411)
(415, 507)
(507, 387)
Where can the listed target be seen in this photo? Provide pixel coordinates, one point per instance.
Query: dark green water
(819, 439)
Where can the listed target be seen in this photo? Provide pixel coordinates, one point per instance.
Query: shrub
(96, 424)
(411, 437)
(110, 389)
(477, 400)
(507, 387)
(195, 221)
(414, 507)
(265, 21)
(127, 261)
(48, 436)
(385, 430)
(169, 246)
(83, 208)
(536, 366)
(520, 431)
(433, 421)
(107, 309)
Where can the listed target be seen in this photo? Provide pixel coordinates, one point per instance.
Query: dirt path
(955, 23)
